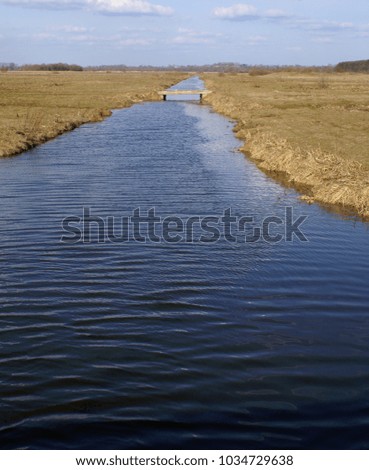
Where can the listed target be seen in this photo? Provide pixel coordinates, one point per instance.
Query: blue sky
(164, 32)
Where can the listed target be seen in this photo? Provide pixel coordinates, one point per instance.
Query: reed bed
(309, 129)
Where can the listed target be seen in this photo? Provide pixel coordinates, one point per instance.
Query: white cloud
(240, 11)
(115, 7)
(244, 11)
(129, 7)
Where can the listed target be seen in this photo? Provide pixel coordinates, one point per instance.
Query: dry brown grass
(312, 128)
(38, 106)
(258, 71)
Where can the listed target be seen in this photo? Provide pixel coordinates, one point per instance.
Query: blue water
(175, 345)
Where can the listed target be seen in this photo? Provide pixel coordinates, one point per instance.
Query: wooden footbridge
(166, 93)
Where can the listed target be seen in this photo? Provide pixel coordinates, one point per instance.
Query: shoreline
(319, 176)
(42, 106)
(31, 142)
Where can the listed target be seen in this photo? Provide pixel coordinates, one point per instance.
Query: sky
(173, 32)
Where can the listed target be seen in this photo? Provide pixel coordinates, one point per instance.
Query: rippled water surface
(158, 345)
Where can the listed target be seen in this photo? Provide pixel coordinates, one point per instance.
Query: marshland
(307, 128)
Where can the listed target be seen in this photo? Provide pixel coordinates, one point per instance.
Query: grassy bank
(310, 128)
(38, 106)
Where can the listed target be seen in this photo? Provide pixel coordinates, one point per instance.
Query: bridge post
(200, 97)
(164, 97)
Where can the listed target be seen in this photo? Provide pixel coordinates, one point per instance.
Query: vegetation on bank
(38, 106)
(309, 128)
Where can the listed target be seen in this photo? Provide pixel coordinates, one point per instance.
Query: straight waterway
(175, 345)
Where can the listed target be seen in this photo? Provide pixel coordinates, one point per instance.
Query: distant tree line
(219, 67)
(222, 67)
(59, 67)
(5, 66)
(354, 66)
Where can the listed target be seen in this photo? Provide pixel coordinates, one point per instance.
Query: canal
(189, 337)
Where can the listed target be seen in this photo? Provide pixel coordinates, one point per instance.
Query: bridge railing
(166, 93)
